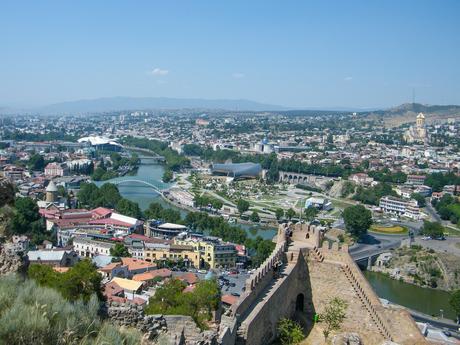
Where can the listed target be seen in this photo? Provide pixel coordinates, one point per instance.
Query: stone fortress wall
(298, 280)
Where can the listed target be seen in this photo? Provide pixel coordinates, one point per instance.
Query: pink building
(56, 169)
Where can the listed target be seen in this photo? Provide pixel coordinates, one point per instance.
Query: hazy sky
(293, 53)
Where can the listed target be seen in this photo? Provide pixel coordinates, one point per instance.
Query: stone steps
(317, 254)
(383, 330)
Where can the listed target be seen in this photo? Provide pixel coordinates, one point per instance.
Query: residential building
(416, 179)
(88, 248)
(56, 169)
(55, 258)
(172, 252)
(399, 207)
(213, 251)
(361, 179)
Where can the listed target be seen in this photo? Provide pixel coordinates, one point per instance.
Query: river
(425, 300)
(144, 195)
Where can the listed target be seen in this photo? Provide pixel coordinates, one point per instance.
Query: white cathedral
(418, 132)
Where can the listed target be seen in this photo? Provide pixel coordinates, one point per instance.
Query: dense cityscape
(186, 214)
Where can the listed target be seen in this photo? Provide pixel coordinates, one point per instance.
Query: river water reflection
(425, 300)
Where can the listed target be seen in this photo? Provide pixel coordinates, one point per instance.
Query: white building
(405, 208)
(89, 248)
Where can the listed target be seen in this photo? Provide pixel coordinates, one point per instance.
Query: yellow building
(212, 251)
(173, 252)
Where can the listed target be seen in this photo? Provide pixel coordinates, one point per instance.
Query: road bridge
(151, 155)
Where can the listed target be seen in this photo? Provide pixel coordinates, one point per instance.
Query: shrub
(290, 332)
(31, 314)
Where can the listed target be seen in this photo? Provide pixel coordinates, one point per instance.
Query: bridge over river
(149, 157)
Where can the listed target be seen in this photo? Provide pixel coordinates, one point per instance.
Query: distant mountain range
(150, 103)
(400, 113)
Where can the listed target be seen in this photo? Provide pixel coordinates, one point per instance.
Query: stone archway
(300, 302)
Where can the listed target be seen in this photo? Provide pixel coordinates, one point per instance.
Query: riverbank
(428, 301)
(421, 266)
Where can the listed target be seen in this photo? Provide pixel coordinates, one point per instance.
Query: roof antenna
(413, 95)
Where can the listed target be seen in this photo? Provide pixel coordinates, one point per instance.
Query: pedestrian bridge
(156, 187)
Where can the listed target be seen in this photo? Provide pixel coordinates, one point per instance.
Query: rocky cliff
(11, 259)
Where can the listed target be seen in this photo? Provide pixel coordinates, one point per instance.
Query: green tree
(169, 299)
(154, 210)
(61, 191)
(242, 206)
(290, 214)
(432, 229)
(129, 208)
(26, 220)
(88, 194)
(290, 332)
(79, 282)
(454, 302)
(333, 316)
(120, 251)
(109, 195)
(419, 198)
(357, 220)
(348, 188)
(254, 217)
(36, 162)
(168, 176)
(279, 213)
(310, 213)
(98, 174)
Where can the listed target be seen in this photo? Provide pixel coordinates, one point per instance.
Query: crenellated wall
(260, 279)
(298, 280)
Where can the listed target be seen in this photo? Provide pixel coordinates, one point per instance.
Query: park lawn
(392, 230)
(451, 231)
(341, 204)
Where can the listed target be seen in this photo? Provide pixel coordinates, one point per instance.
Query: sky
(294, 53)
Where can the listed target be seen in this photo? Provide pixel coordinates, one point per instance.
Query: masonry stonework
(298, 280)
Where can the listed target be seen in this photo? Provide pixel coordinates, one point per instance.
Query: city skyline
(339, 55)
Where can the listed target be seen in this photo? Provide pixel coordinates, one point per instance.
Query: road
(443, 324)
(374, 244)
(432, 212)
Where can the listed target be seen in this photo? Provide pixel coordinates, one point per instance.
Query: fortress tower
(51, 192)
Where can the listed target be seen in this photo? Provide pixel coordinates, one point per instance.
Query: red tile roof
(229, 299)
(101, 212)
(112, 289)
(163, 273)
(189, 277)
(136, 264)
